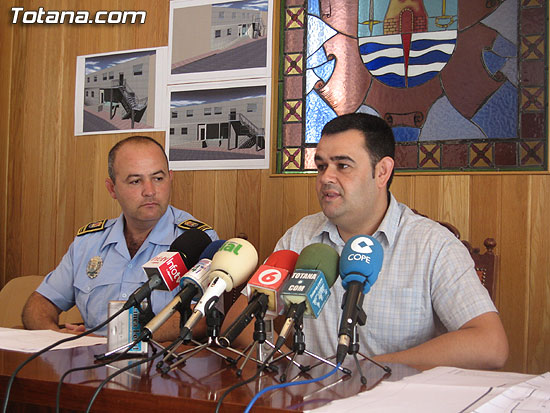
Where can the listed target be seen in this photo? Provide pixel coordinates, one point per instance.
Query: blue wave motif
(427, 43)
(432, 57)
(367, 48)
(383, 61)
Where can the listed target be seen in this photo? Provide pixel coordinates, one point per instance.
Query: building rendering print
(217, 124)
(117, 88)
(214, 37)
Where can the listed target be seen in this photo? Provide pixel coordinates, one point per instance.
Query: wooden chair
(485, 264)
(14, 295)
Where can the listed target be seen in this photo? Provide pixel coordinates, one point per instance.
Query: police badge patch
(93, 267)
(194, 224)
(92, 227)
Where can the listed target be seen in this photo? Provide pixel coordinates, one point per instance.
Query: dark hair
(118, 145)
(379, 139)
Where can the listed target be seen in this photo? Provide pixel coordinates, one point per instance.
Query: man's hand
(73, 328)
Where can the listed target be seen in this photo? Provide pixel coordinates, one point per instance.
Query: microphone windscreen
(212, 248)
(320, 257)
(285, 259)
(190, 245)
(361, 260)
(234, 262)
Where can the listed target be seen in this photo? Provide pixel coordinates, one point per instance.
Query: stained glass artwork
(462, 84)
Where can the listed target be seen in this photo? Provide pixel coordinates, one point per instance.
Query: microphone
(165, 270)
(360, 264)
(307, 290)
(263, 290)
(192, 286)
(230, 267)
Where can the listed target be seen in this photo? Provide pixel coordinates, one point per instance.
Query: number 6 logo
(270, 276)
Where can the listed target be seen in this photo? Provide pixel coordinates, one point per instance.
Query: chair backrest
(485, 264)
(14, 295)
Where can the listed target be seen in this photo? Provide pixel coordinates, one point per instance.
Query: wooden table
(193, 387)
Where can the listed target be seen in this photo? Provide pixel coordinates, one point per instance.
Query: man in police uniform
(105, 260)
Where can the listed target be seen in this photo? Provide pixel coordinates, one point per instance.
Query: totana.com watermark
(42, 16)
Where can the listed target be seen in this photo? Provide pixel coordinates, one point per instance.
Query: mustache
(330, 187)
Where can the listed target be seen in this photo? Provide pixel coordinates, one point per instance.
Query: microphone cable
(90, 367)
(251, 379)
(45, 349)
(128, 367)
(288, 384)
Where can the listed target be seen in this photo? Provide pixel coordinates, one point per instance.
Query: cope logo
(362, 245)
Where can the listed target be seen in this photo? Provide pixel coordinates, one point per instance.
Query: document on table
(31, 341)
(530, 396)
(442, 389)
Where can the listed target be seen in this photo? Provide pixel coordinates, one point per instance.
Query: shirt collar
(158, 235)
(325, 226)
(388, 226)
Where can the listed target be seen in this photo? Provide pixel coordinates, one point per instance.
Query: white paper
(530, 396)
(442, 389)
(31, 341)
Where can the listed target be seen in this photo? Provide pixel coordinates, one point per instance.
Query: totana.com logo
(42, 16)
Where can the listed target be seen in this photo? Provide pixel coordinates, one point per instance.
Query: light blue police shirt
(119, 276)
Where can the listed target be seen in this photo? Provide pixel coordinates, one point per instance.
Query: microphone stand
(214, 320)
(298, 348)
(260, 337)
(354, 347)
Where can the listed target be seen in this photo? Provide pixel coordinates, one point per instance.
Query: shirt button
(130, 265)
(124, 295)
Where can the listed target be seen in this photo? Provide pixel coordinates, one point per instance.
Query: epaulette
(91, 227)
(194, 224)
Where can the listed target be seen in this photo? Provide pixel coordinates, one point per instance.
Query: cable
(283, 385)
(254, 377)
(130, 366)
(93, 366)
(38, 353)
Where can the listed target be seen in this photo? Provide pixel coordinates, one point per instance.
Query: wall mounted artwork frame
(464, 85)
(120, 91)
(207, 123)
(219, 84)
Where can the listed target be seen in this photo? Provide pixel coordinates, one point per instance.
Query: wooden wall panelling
(17, 140)
(513, 249)
(6, 51)
(485, 209)
(271, 213)
(295, 200)
(65, 158)
(313, 201)
(204, 200)
(104, 205)
(538, 344)
(183, 190)
(455, 200)
(158, 16)
(34, 95)
(225, 206)
(402, 188)
(427, 195)
(85, 161)
(485, 202)
(51, 74)
(249, 187)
